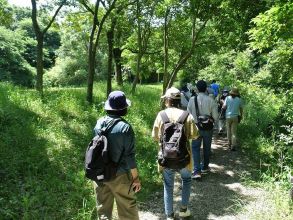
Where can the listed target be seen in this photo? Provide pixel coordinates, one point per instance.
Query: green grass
(43, 144)
(43, 141)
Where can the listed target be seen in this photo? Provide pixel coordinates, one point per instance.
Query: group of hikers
(190, 114)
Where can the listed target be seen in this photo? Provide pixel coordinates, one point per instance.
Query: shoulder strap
(164, 117)
(111, 124)
(196, 106)
(183, 117)
(186, 97)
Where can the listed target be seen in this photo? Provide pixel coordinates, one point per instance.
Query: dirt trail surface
(221, 193)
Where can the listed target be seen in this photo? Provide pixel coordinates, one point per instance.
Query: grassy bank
(43, 144)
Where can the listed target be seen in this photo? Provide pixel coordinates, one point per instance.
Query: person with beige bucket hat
(234, 112)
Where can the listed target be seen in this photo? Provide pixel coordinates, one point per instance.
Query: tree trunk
(91, 74)
(92, 56)
(93, 44)
(40, 42)
(136, 79)
(117, 52)
(139, 43)
(166, 51)
(110, 38)
(183, 58)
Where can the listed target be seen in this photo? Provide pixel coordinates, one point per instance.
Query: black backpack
(204, 122)
(173, 153)
(98, 164)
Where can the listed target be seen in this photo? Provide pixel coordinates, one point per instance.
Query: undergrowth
(43, 142)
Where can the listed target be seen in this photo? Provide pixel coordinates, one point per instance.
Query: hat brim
(108, 107)
(164, 97)
(234, 93)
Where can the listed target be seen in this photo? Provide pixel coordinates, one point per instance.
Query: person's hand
(136, 185)
(239, 118)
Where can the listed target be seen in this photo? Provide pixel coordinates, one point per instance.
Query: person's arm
(215, 113)
(192, 130)
(130, 159)
(225, 104)
(155, 131)
(136, 185)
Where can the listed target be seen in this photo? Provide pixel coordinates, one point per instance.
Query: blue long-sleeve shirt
(121, 139)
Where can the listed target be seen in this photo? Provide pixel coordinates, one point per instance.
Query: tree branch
(87, 7)
(53, 18)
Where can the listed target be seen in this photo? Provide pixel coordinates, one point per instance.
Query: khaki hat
(234, 91)
(172, 93)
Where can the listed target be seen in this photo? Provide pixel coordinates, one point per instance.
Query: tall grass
(43, 142)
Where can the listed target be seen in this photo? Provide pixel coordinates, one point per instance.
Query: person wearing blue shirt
(234, 111)
(215, 87)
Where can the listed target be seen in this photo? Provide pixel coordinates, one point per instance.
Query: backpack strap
(186, 97)
(196, 106)
(164, 117)
(183, 117)
(111, 124)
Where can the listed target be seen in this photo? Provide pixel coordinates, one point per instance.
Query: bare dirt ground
(220, 195)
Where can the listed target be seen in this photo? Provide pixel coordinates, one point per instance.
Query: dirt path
(221, 193)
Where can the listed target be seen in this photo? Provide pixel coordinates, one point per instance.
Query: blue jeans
(168, 175)
(206, 138)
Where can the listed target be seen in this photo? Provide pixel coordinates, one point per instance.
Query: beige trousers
(117, 189)
(231, 125)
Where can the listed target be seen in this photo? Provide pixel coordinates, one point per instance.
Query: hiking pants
(206, 138)
(168, 175)
(222, 125)
(117, 189)
(231, 124)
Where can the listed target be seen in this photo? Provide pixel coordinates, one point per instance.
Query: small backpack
(173, 153)
(204, 122)
(98, 164)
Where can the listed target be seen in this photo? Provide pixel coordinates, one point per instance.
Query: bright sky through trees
(23, 3)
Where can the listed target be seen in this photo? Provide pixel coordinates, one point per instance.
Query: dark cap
(201, 86)
(117, 101)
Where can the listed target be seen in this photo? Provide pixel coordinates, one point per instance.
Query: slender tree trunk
(93, 44)
(91, 74)
(166, 51)
(139, 43)
(117, 52)
(40, 42)
(110, 38)
(183, 58)
(136, 79)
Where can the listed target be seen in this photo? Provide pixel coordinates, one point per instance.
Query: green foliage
(13, 66)
(51, 43)
(43, 142)
(5, 13)
(272, 27)
(229, 68)
(272, 37)
(66, 72)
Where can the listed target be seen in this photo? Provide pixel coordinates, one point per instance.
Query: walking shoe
(206, 170)
(184, 213)
(196, 175)
(171, 217)
(233, 148)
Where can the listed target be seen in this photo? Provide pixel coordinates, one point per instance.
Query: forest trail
(220, 194)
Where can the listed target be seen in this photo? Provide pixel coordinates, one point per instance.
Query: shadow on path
(219, 195)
